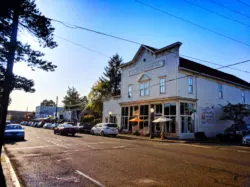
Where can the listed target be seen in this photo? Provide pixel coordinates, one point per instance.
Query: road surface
(45, 159)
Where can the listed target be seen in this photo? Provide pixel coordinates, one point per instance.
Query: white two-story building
(158, 82)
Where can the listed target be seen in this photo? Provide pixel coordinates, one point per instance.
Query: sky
(129, 19)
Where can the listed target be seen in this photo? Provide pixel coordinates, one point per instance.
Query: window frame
(220, 91)
(144, 88)
(190, 85)
(130, 91)
(162, 85)
(243, 96)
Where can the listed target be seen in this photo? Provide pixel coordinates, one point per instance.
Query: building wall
(112, 105)
(169, 70)
(45, 111)
(207, 95)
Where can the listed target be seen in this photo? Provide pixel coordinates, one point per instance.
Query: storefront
(139, 117)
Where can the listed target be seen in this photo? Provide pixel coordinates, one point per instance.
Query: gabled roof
(199, 68)
(143, 77)
(153, 50)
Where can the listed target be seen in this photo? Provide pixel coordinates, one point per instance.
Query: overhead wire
(216, 13)
(191, 23)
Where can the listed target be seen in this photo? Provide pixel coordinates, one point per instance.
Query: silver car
(246, 140)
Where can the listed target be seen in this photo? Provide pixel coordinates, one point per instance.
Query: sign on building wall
(207, 116)
(147, 67)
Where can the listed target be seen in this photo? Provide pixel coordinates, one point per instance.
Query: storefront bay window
(187, 124)
(124, 117)
(144, 115)
(170, 112)
(133, 113)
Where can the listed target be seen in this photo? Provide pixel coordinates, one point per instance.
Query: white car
(246, 140)
(105, 129)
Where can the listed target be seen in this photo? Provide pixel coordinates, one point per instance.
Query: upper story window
(190, 85)
(144, 88)
(162, 85)
(243, 99)
(220, 90)
(130, 90)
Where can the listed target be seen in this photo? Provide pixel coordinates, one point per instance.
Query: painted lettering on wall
(147, 67)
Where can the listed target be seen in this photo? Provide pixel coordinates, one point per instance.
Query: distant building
(46, 111)
(18, 116)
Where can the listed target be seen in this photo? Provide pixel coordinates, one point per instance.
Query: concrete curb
(13, 175)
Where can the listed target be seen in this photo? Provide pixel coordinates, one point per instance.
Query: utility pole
(56, 108)
(9, 71)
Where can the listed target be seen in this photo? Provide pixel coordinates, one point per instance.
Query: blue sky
(81, 68)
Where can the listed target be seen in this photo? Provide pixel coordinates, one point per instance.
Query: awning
(136, 120)
(161, 119)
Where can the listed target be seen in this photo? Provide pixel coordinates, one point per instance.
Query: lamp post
(151, 123)
(110, 114)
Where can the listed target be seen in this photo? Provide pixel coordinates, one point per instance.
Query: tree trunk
(9, 72)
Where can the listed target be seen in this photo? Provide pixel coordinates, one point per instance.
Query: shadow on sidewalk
(2, 177)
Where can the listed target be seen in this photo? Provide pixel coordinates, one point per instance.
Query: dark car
(14, 131)
(65, 129)
(85, 128)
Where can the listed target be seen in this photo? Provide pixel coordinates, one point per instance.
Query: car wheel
(54, 132)
(73, 134)
(102, 133)
(92, 132)
(115, 135)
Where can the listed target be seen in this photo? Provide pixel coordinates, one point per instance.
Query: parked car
(54, 125)
(246, 140)
(65, 129)
(85, 128)
(14, 131)
(47, 125)
(105, 129)
(40, 124)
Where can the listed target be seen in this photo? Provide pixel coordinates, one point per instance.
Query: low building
(158, 82)
(46, 111)
(18, 116)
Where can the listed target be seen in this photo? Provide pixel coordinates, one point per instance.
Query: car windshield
(111, 125)
(68, 125)
(8, 127)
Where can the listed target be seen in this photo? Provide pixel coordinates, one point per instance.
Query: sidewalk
(209, 143)
(9, 173)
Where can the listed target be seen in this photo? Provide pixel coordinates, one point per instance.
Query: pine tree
(112, 75)
(14, 16)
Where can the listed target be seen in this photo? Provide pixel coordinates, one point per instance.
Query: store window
(220, 89)
(144, 88)
(170, 112)
(124, 118)
(162, 85)
(130, 90)
(144, 114)
(190, 85)
(187, 124)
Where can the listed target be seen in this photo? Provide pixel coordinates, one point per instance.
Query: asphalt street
(45, 159)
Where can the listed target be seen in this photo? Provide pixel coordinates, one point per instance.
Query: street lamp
(152, 110)
(110, 114)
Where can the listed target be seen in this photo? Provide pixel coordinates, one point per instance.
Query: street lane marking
(69, 179)
(118, 147)
(33, 147)
(59, 145)
(89, 178)
(64, 159)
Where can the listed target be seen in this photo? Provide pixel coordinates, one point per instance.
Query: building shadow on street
(2, 177)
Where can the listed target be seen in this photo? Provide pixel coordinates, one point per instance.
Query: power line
(242, 2)
(216, 13)
(232, 10)
(192, 23)
(209, 62)
(101, 54)
(94, 31)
